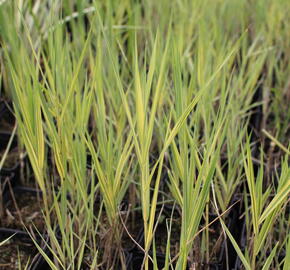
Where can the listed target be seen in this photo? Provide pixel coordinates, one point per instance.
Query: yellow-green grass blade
(6, 240)
(252, 187)
(276, 201)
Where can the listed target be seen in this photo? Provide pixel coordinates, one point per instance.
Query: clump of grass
(134, 95)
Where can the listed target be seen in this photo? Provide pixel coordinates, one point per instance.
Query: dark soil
(16, 254)
(22, 212)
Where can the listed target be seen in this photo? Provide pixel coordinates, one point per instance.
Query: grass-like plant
(152, 103)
